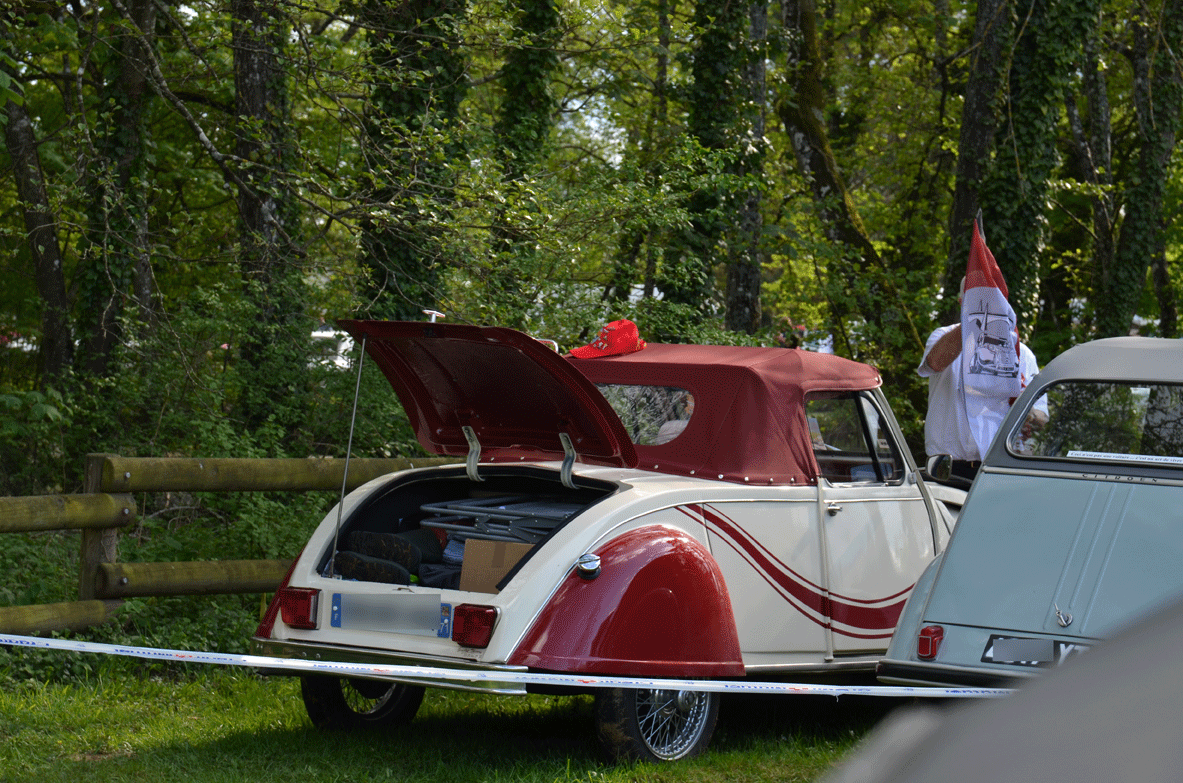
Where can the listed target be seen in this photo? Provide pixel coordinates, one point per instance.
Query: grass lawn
(231, 725)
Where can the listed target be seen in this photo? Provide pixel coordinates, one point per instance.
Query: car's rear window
(1107, 421)
(652, 415)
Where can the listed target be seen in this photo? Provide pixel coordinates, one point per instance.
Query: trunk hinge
(566, 473)
(568, 461)
(474, 453)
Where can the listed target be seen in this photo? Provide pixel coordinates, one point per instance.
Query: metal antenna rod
(348, 451)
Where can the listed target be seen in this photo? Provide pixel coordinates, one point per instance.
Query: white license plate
(413, 613)
(1020, 651)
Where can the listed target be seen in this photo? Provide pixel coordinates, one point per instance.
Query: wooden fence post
(98, 545)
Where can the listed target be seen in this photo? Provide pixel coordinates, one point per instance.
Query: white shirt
(946, 427)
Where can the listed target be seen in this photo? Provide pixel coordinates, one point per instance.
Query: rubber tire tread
(324, 700)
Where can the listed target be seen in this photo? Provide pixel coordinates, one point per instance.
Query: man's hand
(945, 351)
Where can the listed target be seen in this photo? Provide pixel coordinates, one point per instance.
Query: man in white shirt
(946, 427)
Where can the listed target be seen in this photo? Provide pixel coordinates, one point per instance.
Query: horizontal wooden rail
(44, 618)
(166, 474)
(212, 577)
(66, 512)
(106, 505)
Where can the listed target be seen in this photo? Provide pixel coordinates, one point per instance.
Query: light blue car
(1068, 534)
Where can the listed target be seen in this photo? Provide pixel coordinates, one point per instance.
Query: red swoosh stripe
(861, 618)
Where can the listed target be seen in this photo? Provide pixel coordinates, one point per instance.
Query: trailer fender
(659, 607)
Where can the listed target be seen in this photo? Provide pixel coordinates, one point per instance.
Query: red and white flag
(989, 342)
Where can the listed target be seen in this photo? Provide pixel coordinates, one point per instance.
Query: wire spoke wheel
(348, 703)
(655, 724)
(367, 697)
(671, 721)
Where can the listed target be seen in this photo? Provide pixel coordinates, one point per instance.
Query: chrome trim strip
(272, 648)
(861, 664)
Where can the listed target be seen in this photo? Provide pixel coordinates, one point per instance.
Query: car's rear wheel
(654, 724)
(349, 703)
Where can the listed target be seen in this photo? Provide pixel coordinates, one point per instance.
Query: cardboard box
(485, 562)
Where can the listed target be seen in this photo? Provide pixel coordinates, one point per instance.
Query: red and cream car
(682, 511)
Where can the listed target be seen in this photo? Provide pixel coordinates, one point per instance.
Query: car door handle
(832, 508)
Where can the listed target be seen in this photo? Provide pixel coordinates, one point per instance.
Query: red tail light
(928, 643)
(268, 621)
(472, 625)
(297, 607)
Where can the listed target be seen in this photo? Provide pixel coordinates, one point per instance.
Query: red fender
(658, 608)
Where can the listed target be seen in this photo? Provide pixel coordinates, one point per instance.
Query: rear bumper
(916, 673)
(323, 652)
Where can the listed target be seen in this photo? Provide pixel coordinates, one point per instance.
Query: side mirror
(940, 467)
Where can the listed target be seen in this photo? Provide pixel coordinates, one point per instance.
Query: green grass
(231, 725)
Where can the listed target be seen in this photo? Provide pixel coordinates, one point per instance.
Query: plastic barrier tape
(380, 671)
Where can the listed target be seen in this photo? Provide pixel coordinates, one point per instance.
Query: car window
(1116, 422)
(652, 415)
(851, 440)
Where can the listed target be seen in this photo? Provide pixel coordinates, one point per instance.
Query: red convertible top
(749, 422)
(519, 399)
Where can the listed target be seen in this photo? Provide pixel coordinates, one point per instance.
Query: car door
(874, 529)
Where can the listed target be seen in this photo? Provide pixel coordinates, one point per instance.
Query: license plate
(413, 613)
(1020, 651)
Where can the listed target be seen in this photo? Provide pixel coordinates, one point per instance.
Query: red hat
(614, 339)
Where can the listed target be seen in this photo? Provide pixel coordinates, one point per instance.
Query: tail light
(268, 621)
(297, 607)
(928, 642)
(472, 625)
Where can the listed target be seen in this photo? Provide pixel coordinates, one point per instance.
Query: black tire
(653, 724)
(339, 703)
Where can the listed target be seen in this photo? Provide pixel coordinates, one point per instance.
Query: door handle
(832, 508)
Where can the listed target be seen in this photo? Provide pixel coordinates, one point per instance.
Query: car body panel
(659, 607)
(1057, 546)
(1102, 551)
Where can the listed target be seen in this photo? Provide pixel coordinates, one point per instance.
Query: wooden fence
(108, 505)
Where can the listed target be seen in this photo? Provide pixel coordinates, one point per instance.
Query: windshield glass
(1115, 422)
(652, 415)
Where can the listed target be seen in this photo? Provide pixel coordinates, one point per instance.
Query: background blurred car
(1068, 532)
(777, 534)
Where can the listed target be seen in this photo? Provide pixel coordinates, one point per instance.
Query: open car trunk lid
(497, 390)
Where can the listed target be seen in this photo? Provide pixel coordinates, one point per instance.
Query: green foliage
(32, 453)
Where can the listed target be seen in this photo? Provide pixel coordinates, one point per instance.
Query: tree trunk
(1094, 152)
(745, 256)
(527, 115)
(417, 78)
(1158, 96)
(979, 122)
(1014, 197)
(270, 256)
(867, 288)
(117, 243)
(627, 269)
(57, 343)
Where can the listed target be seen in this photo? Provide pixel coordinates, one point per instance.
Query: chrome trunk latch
(1063, 618)
(568, 461)
(474, 453)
